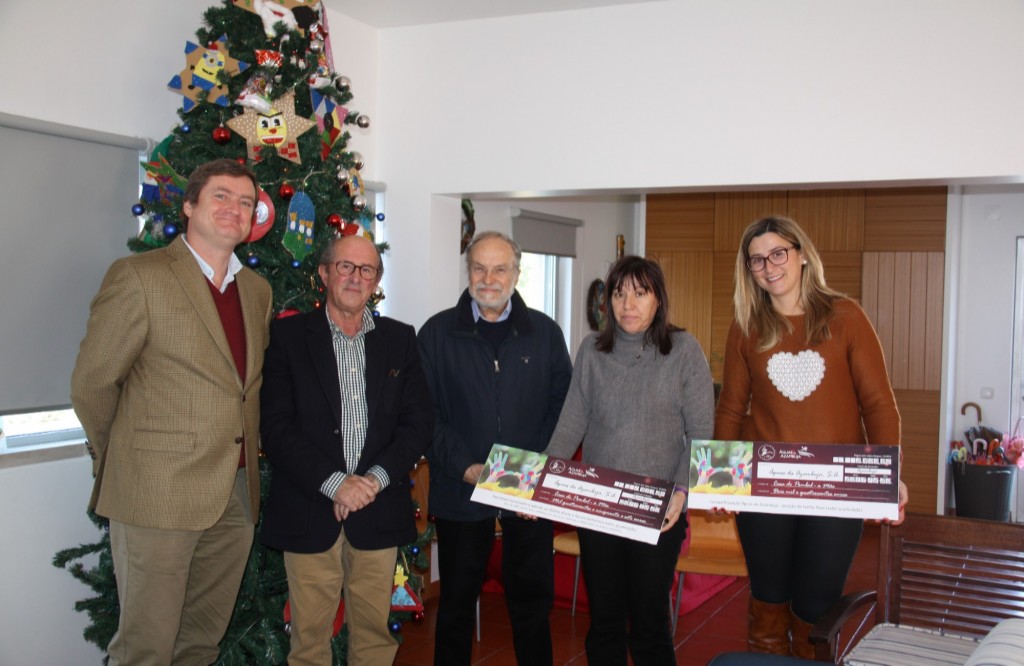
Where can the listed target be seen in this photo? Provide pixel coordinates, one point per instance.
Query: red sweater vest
(229, 307)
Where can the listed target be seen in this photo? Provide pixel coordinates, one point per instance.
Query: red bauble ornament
(419, 514)
(221, 135)
(335, 220)
(417, 616)
(286, 191)
(350, 229)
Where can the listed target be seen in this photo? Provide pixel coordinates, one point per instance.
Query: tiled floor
(719, 625)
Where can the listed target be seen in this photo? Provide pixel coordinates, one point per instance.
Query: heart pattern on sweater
(796, 376)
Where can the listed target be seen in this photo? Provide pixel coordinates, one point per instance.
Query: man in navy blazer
(346, 414)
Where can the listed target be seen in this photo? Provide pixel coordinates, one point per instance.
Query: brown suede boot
(801, 644)
(768, 627)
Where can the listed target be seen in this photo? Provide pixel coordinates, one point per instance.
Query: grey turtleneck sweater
(635, 409)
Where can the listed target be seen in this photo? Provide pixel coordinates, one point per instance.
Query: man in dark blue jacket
(499, 372)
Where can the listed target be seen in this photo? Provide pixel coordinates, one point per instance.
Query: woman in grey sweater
(641, 390)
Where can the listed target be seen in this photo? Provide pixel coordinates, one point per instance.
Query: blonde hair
(754, 311)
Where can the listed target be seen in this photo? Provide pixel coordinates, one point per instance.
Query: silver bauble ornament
(357, 160)
(363, 121)
(316, 46)
(359, 203)
(343, 175)
(343, 83)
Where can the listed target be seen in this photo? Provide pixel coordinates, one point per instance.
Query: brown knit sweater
(837, 391)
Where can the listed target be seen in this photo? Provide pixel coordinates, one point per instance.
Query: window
(545, 283)
(38, 429)
(58, 243)
(547, 272)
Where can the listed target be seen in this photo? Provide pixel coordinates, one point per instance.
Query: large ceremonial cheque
(841, 480)
(588, 496)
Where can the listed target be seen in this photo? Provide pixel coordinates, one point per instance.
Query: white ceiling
(396, 13)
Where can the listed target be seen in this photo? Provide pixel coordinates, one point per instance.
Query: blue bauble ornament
(170, 230)
(415, 550)
(252, 261)
(186, 128)
(138, 209)
(395, 627)
(380, 217)
(296, 263)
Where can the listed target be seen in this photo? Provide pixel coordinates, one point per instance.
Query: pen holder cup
(983, 491)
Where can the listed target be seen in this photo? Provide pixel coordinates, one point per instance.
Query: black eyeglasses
(777, 257)
(346, 268)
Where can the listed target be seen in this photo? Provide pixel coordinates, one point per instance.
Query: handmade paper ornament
(165, 184)
(403, 597)
(268, 58)
(199, 79)
(355, 183)
(329, 120)
(256, 93)
(298, 237)
(321, 76)
(366, 225)
(294, 14)
(277, 130)
(263, 217)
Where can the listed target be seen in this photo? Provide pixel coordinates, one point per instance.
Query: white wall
(688, 93)
(991, 221)
(44, 512)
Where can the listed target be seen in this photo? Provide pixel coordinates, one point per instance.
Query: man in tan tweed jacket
(167, 388)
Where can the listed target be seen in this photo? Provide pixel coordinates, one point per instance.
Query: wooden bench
(948, 575)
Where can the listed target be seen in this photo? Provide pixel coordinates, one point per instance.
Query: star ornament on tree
(202, 67)
(276, 130)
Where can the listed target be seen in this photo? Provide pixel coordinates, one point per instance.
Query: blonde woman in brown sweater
(802, 364)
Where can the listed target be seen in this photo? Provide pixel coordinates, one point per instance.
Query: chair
(714, 549)
(568, 543)
(947, 575)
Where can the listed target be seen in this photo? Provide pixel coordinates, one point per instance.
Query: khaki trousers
(316, 582)
(177, 588)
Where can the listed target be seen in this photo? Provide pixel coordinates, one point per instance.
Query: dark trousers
(528, 575)
(628, 587)
(800, 559)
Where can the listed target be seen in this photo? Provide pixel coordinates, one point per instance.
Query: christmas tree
(258, 86)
